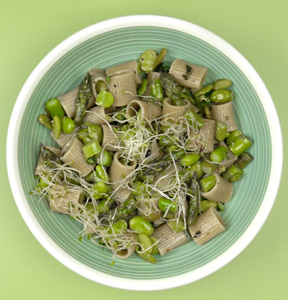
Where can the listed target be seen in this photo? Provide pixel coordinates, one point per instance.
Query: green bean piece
(95, 132)
(154, 241)
(92, 148)
(145, 242)
(233, 174)
(219, 154)
(193, 201)
(189, 159)
(177, 225)
(45, 120)
(243, 160)
(68, 125)
(222, 84)
(84, 94)
(221, 96)
(104, 158)
(160, 57)
(101, 86)
(140, 225)
(147, 60)
(165, 204)
(232, 136)
(221, 131)
(156, 89)
(240, 145)
(205, 90)
(206, 204)
(207, 183)
(208, 167)
(105, 99)
(147, 257)
(56, 127)
(105, 204)
(142, 88)
(194, 119)
(55, 108)
(102, 174)
(172, 89)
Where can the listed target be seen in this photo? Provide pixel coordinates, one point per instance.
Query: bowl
(103, 45)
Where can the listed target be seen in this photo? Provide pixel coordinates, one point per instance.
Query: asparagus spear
(172, 88)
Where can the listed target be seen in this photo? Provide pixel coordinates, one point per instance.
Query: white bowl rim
(132, 21)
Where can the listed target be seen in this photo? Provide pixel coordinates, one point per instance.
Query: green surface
(29, 31)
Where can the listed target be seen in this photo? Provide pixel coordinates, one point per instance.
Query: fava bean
(104, 158)
(154, 241)
(208, 168)
(221, 96)
(118, 227)
(56, 127)
(207, 183)
(105, 99)
(194, 119)
(45, 120)
(189, 159)
(140, 225)
(68, 125)
(95, 132)
(222, 84)
(105, 204)
(145, 242)
(101, 172)
(165, 204)
(177, 225)
(147, 60)
(221, 131)
(55, 108)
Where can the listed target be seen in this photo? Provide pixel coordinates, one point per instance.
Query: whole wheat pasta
(172, 111)
(99, 115)
(111, 139)
(149, 111)
(96, 76)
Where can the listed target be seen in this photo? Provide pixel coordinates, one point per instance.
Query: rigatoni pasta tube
(123, 88)
(121, 194)
(221, 192)
(230, 157)
(208, 225)
(173, 111)
(224, 113)
(130, 66)
(204, 138)
(111, 139)
(154, 152)
(75, 158)
(149, 111)
(54, 150)
(96, 76)
(123, 254)
(99, 115)
(118, 171)
(188, 75)
(68, 102)
(168, 239)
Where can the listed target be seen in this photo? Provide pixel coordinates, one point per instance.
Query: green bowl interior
(112, 48)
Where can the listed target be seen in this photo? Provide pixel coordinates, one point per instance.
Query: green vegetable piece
(95, 132)
(243, 160)
(145, 242)
(154, 241)
(206, 204)
(104, 158)
(147, 60)
(87, 140)
(206, 89)
(207, 183)
(222, 84)
(140, 225)
(68, 125)
(208, 168)
(45, 120)
(221, 96)
(42, 183)
(233, 174)
(92, 148)
(166, 204)
(105, 99)
(194, 119)
(105, 204)
(207, 111)
(232, 136)
(100, 187)
(143, 87)
(172, 89)
(194, 169)
(84, 94)
(160, 58)
(147, 257)
(118, 227)
(221, 131)
(82, 133)
(177, 225)
(55, 108)
(101, 86)
(56, 127)
(102, 174)
(156, 89)
(165, 141)
(189, 159)
(218, 154)
(240, 145)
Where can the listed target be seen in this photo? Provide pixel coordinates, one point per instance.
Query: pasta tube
(99, 115)
(97, 75)
(149, 111)
(111, 139)
(173, 111)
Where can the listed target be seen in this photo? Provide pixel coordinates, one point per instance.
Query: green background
(29, 30)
